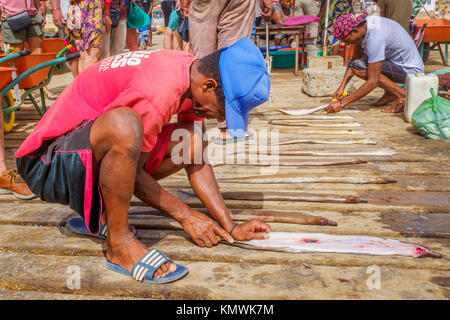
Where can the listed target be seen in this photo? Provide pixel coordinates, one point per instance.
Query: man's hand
(184, 4)
(203, 230)
(335, 106)
(108, 24)
(338, 94)
(253, 229)
(267, 9)
(58, 18)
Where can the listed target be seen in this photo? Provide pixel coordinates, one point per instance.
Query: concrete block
(322, 62)
(320, 82)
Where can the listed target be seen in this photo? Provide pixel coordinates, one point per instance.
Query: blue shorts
(391, 70)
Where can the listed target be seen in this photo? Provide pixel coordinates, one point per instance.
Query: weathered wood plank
(177, 245)
(219, 280)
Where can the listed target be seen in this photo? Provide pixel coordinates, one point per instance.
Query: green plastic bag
(137, 18)
(432, 118)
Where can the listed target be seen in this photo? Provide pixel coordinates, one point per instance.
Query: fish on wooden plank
(321, 131)
(328, 243)
(284, 196)
(338, 152)
(327, 124)
(299, 112)
(329, 141)
(301, 162)
(275, 179)
(316, 117)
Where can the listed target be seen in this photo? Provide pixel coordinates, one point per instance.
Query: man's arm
(204, 183)
(197, 225)
(267, 9)
(185, 7)
(373, 77)
(58, 18)
(277, 17)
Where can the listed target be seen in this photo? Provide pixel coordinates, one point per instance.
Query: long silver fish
(321, 242)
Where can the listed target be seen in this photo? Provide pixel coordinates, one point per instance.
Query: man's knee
(121, 128)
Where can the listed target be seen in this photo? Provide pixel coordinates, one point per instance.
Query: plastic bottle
(418, 90)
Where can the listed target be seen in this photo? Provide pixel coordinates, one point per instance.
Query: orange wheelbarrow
(34, 72)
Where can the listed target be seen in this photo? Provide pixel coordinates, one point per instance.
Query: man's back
(397, 10)
(386, 40)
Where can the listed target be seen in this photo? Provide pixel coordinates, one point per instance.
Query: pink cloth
(300, 20)
(150, 83)
(72, 49)
(13, 7)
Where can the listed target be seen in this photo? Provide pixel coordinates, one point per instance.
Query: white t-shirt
(388, 40)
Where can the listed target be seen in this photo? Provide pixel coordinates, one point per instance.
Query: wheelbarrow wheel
(8, 120)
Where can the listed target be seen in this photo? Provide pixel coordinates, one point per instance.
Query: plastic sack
(174, 20)
(137, 18)
(432, 118)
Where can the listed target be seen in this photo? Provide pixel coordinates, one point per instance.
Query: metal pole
(325, 32)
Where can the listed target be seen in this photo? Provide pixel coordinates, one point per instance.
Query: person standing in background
(147, 5)
(336, 9)
(114, 39)
(397, 10)
(167, 6)
(31, 34)
(84, 28)
(10, 179)
(217, 24)
(308, 7)
(60, 10)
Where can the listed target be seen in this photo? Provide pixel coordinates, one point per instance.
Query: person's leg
(393, 92)
(278, 39)
(203, 26)
(235, 21)
(90, 57)
(312, 8)
(35, 44)
(167, 7)
(195, 145)
(118, 38)
(150, 36)
(105, 50)
(116, 139)
(74, 67)
(10, 179)
(2, 145)
(132, 40)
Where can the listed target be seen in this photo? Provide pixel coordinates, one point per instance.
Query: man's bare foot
(397, 106)
(384, 100)
(129, 251)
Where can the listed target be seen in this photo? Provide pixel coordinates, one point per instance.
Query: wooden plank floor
(400, 190)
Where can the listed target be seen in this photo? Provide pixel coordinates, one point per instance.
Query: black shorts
(391, 70)
(61, 171)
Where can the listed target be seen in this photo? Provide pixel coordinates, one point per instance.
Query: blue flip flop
(145, 268)
(78, 226)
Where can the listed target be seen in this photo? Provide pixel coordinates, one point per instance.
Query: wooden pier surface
(385, 181)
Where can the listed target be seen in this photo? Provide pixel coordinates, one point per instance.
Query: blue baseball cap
(245, 82)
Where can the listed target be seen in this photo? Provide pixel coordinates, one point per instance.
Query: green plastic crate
(284, 58)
